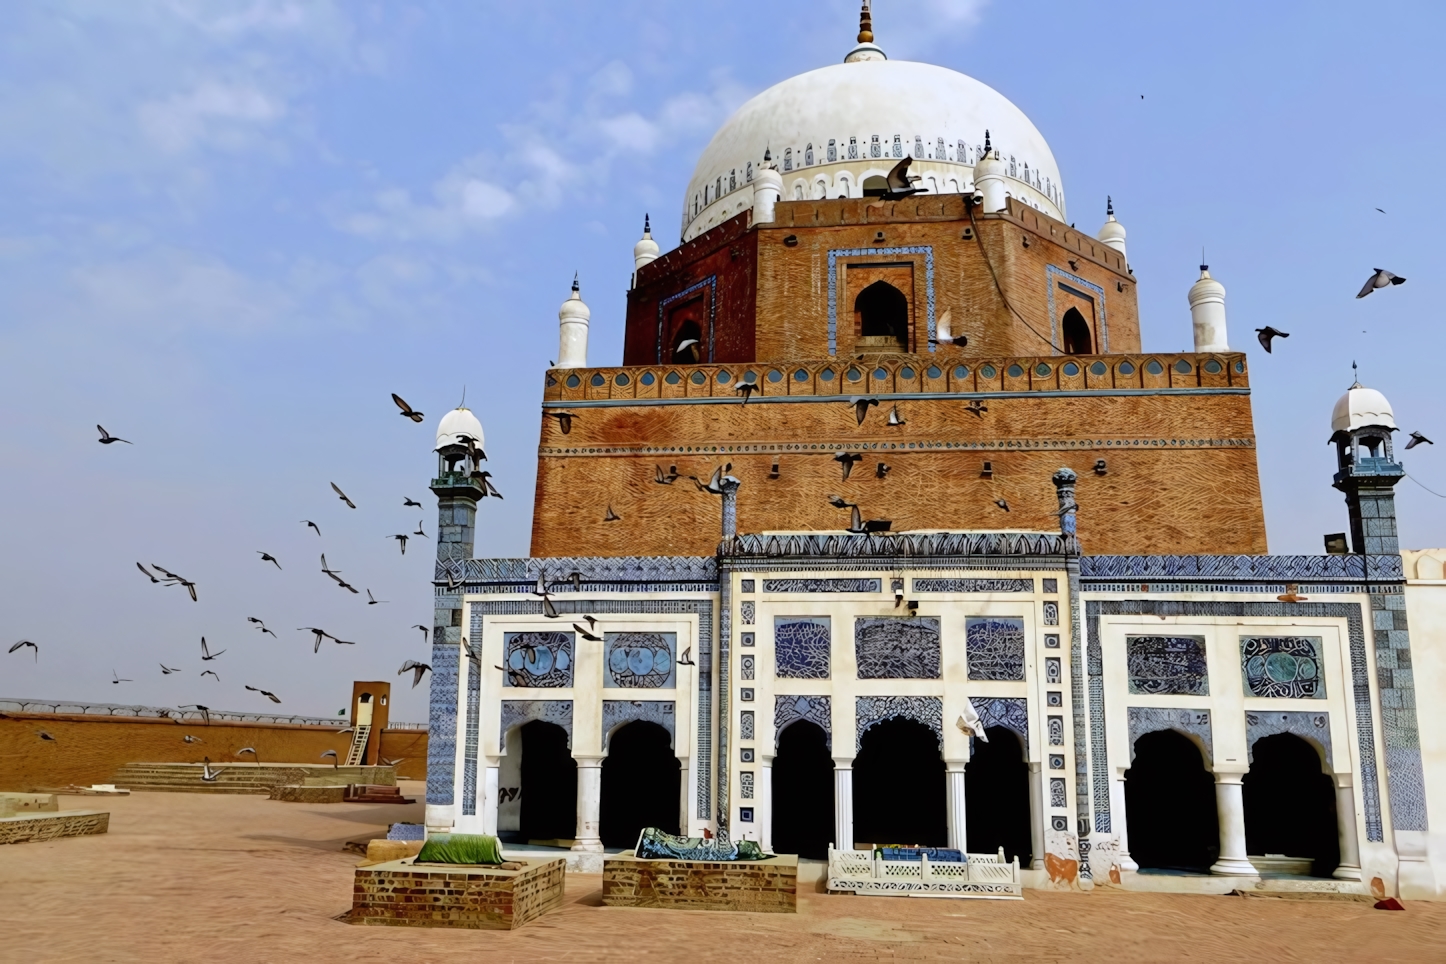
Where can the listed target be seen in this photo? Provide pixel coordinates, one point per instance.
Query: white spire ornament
(646, 250)
(572, 321)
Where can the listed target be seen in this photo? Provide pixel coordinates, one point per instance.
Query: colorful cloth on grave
(938, 854)
(654, 844)
(460, 848)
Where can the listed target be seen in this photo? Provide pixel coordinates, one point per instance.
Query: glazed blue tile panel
(1270, 568)
(1052, 275)
(1009, 712)
(1167, 665)
(833, 256)
(1283, 667)
(640, 660)
(821, 585)
(1152, 719)
(1395, 677)
(973, 585)
(897, 647)
(538, 659)
(516, 713)
(788, 710)
(616, 713)
(868, 710)
(1311, 727)
(801, 647)
(442, 725)
(469, 749)
(995, 647)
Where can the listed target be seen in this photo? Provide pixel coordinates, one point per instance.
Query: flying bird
(209, 775)
(861, 407)
(205, 711)
(334, 757)
(548, 609)
(895, 418)
(206, 653)
(1382, 210)
(188, 738)
(26, 642)
(268, 557)
(746, 389)
(401, 541)
(47, 736)
(847, 460)
(168, 670)
(392, 763)
(108, 439)
(418, 670)
(313, 525)
(1416, 439)
(715, 484)
(687, 658)
(407, 409)
(171, 579)
(882, 470)
(147, 573)
(662, 479)
(1002, 504)
(590, 637)
(591, 621)
(260, 625)
(970, 722)
(266, 693)
(977, 408)
(211, 672)
(901, 182)
(944, 330)
(342, 495)
(251, 750)
(564, 420)
(1266, 334)
(1380, 279)
(117, 678)
(373, 600)
(319, 633)
(485, 480)
(612, 516)
(426, 632)
(419, 531)
(325, 568)
(407, 501)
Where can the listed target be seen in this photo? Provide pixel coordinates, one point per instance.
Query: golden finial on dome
(866, 25)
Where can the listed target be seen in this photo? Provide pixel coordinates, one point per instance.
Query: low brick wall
(403, 894)
(309, 794)
(48, 826)
(769, 886)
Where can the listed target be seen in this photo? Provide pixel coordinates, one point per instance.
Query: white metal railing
(978, 875)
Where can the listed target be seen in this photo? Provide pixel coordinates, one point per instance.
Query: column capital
(843, 763)
(589, 760)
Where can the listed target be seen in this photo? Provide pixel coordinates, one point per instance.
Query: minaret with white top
(645, 251)
(1113, 233)
(1207, 310)
(989, 178)
(572, 321)
(767, 189)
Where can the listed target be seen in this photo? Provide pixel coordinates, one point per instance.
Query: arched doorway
(688, 344)
(1170, 812)
(996, 796)
(1077, 339)
(882, 313)
(548, 793)
(803, 784)
(641, 784)
(876, 186)
(1290, 804)
(899, 786)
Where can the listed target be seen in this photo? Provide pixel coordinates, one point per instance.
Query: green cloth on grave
(460, 848)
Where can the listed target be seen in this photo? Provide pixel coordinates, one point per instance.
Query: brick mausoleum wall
(745, 885)
(432, 895)
(89, 749)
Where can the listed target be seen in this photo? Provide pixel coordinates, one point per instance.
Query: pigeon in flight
(1266, 334)
(168, 670)
(313, 525)
(426, 632)
(407, 409)
(564, 420)
(1416, 439)
(746, 389)
(251, 750)
(895, 418)
(108, 439)
(332, 754)
(117, 678)
(669, 478)
(861, 407)
(206, 653)
(211, 672)
(268, 557)
(419, 531)
(944, 330)
(26, 642)
(342, 495)
(1380, 279)
(47, 736)
(485, 480)
(192, 739)
(401, 541)
(612, 516)
(882, 470)
(148, 574)
(260, 625)
(319, 633)
(590, 637)
(408, 502)
(266, 693)
(715, 484)
(171, 579)
(418, 670)
(373, 600)
(976, 407)
(970, 722)
(901, 183)
(687, 658)
(847, 460)
(205, 711)
(209, 775)
(1002, 504)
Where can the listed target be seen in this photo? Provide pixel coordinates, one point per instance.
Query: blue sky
(228, 229)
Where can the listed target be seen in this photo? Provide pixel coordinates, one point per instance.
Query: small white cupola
(1207, 311)
(866, 49)
(767, 189)
(573, 320)
(1113, 233)
(989, 178)
(646, 250)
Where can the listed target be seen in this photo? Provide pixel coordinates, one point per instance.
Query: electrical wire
(979, 237)
(1418, 482)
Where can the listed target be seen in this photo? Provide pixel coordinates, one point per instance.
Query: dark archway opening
(876, 186)
(688, 344)
(1170, 805)
(641, 784)
(549, 784)
(803, 783)
(883, 316)
(1077, 340)
(899, 786)
(996, 797)
(1290, 804)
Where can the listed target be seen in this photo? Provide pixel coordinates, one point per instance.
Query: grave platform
(35, 826)
(402, 893)
(768, 886)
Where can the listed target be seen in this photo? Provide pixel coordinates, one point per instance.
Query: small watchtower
(1366, 470)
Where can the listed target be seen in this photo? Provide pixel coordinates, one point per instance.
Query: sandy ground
(196, 877)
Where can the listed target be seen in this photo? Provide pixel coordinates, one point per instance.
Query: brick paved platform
(404, 894)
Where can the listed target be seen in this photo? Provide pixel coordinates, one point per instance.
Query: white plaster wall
(1426, 616)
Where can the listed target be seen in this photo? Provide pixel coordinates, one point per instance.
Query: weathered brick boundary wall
(89, 749)
(33, 827)
(298, 794)
(403, 895)
(769, 886)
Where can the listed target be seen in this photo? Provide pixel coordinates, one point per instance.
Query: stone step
(245, 777)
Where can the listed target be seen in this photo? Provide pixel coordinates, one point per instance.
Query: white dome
(1360, 407)
(879, 111)
(459, 422)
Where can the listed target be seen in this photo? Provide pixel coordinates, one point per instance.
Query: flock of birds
(159, 575)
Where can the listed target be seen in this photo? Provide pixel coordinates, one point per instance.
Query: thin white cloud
(213, 114)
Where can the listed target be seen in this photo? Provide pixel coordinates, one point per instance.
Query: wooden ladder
(358, 745)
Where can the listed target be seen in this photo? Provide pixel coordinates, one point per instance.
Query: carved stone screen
(891, 647)
(1173, 665)
(538, 659)
(995, 647)
(1286, 667)
(640, 660)
(800, 646)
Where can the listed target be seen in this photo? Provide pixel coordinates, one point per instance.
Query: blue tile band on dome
(833, 256)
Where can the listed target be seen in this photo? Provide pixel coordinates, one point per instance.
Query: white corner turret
(989, 178)
(1113, 233)
(646, 250)
(767, 189)
(573, 320)
(1207, 310)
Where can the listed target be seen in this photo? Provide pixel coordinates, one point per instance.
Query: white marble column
(1230, 803)
(1037, 815)
(954, 795)
(1350, 865)
(1120, 822)
(685, 787)
(843, 804)
(487, 805)
(763, 803)
(589, 801)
